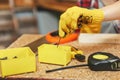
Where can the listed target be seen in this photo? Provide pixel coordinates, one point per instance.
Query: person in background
(107, 26)
(89, 18)
(88, 3)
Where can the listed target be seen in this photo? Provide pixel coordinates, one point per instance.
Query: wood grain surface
(81, 73)
(55, 5)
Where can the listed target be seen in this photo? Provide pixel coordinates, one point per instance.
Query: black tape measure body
(102, 61)
(98, 61)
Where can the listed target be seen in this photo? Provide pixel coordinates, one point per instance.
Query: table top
(110, 43)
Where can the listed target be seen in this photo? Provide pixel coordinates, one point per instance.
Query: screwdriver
(98, 61)
(58, 41)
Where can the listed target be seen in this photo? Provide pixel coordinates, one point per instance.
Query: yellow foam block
(17, 60)
(54, 54)
(49, 53)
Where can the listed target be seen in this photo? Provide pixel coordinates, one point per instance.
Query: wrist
(97, 16)
(87, 16)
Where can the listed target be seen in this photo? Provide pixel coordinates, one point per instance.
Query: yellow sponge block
(54, 54)
(17, 60)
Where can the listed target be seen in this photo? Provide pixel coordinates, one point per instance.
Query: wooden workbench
(89, 43)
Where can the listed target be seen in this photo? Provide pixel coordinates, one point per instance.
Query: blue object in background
(47, 21)
(24, 14)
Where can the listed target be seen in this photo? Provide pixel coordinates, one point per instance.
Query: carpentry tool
(98, 61)
(58, 41)
(77, 54)
(53, 37)
(62, 55)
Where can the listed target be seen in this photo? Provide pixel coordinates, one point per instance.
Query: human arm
(112, 12)
(77, 17)
(69, 20)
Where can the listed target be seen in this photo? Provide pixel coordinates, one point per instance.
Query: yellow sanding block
(17, 60)
(49, 53)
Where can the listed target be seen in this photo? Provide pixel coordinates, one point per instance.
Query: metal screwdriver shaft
(58, 41)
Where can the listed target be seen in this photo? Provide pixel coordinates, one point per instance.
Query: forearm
(112, 12)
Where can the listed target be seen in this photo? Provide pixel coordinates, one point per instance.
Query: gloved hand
(76, 17)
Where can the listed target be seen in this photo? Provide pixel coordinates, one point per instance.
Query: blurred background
(19, 17)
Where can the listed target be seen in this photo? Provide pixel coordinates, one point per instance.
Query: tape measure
(102, 61)
(53, 37)
(98, 61)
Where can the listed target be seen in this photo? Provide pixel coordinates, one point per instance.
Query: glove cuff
(97, 15)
